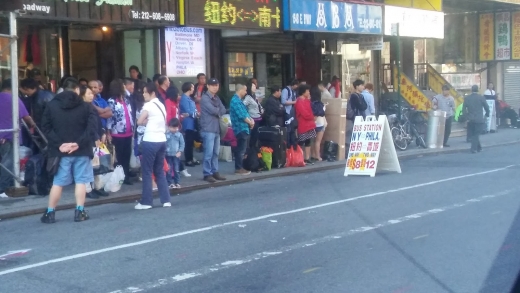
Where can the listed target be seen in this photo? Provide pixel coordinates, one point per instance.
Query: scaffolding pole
(14, 91)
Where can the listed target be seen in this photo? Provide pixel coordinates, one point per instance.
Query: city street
(448, 223)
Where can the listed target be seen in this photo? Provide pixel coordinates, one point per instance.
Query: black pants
(123, 152)
(190, 136)
(447, 129)
(253, 137)
(240, 149)
(474, 130)
(511, 115)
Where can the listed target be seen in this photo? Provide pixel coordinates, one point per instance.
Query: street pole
(398, 72)
(14, 90)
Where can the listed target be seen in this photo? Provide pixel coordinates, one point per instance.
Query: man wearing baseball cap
(211, 110)
(445, 102)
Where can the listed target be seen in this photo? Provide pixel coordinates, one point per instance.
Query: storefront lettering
(108, 2)
(302, 18)
(335, 15)
(349, 22)
(37, 8)
(322, 20)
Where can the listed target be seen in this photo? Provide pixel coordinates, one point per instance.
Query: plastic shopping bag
(116, 180)
(95, 159)
(296, 157)
(101, 180)
(267, 156)
(135, 162)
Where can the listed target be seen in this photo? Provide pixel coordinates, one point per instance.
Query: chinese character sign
(330, 16)
(502, 36)
(515, 35)
(248, 14)
(486, 37)
(371, 147)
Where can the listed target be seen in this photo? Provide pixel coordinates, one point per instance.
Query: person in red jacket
(171, 103)
(305, 118)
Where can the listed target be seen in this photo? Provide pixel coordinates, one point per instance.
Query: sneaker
(242, 172)
(172, 186)
(80, 216)
(185, 173)
(48, 217)
(309, 162)
(219, 177)
(142, 207)
(167, 204)
(210, 179)
(196, 162)
(101, 192)
(92, 195)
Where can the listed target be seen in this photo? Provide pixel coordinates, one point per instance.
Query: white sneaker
(3, 195)
(167, 204)
(142, 207)
(185, 173)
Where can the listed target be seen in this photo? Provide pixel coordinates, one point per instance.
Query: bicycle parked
(412, 126)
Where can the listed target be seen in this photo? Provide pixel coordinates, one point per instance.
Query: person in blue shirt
(188, 112)
(104, 111)
(241, 123)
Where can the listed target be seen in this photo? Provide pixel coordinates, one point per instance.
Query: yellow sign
(436, 81)
(435, 5)
(515, 36)
(486, 37)
(411, 93)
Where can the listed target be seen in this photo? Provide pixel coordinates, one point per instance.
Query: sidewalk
(18, 207)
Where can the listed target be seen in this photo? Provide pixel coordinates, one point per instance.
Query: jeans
(6, 153)
(240, 150)
(123, 152)
(190, 136)
(211, 142)
(76, 170)
(447, 129)
(174, 174)
(152, 161)
(475, 128)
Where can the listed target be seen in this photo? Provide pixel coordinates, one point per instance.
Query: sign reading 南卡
(245, 14)
(185, 51)
(331, 16)
(371, 148)
(503, 36)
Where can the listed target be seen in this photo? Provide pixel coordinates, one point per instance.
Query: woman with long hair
(305, 117)
(153, 147)
(318, 109)
(255, 111)
(121, 126)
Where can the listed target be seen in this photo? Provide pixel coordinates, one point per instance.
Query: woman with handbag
(153, 148)
(318, 109)
(255, 111)
(121, 126)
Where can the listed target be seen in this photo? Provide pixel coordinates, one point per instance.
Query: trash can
(436, 125)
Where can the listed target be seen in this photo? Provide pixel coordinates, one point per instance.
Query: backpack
(351, 112)
(363, 106)
(252, 162)
(36, 177)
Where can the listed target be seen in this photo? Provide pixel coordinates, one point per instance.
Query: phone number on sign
(144, 15)
(361, 164)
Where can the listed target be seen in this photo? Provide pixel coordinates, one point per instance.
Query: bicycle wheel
(419, 140)
(399, 139)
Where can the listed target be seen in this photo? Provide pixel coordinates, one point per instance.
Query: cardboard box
(336, 131)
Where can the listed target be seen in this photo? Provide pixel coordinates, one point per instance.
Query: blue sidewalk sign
(331, 16)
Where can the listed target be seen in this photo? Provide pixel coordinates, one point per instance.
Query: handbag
(53, 163)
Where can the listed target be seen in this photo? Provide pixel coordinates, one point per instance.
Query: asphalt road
(446, 224)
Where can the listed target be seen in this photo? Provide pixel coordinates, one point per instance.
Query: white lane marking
(258, 256)
(146, 241)
(419, 237)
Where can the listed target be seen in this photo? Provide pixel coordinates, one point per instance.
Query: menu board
(185, 51)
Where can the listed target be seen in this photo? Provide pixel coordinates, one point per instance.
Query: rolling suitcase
(275, 138)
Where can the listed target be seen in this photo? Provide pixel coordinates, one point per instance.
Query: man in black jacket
(274, 110)
(70, 127)
(474, 107)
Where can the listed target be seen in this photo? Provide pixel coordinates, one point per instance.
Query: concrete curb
(262, 176)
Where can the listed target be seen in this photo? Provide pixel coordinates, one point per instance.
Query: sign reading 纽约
(371, 148)
(431, 22)
(243, 14)
(185, 51)
(331, 16)
(503, 36)
(109, 2)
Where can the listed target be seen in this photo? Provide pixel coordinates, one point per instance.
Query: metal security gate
(512, 84)
(276, 43)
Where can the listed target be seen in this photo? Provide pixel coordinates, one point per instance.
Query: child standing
(174, 149)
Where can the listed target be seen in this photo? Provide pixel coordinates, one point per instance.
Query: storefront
(244, 40)
(92, 39)
(328, 36)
